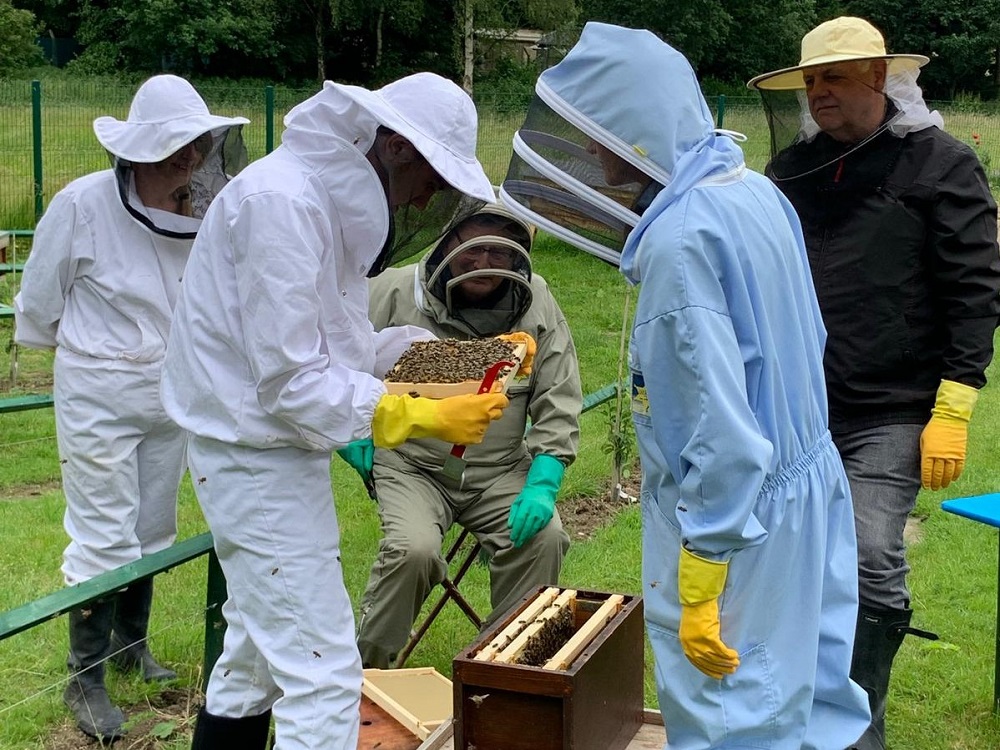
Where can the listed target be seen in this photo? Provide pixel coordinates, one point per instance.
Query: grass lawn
(942, 691)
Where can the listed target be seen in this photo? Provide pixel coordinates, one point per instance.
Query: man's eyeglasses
(496, 254)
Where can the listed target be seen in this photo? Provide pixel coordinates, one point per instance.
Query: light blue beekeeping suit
(729, 406)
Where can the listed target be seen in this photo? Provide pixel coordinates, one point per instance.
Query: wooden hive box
(596, 703)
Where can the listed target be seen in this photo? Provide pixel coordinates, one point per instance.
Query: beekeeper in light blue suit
(749, 559)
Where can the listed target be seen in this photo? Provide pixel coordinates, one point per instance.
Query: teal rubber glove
(533, 508)
(360, 455)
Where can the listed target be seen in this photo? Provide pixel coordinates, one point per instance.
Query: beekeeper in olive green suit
(477, 282)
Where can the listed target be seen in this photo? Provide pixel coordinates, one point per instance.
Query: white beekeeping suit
(273, 364)
(99, 286)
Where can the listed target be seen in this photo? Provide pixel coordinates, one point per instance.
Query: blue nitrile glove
(359, 455)
(533, 508)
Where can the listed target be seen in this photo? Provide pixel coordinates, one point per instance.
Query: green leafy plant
(620, 443)
(620, 440)
(18, 29)
(163, 730)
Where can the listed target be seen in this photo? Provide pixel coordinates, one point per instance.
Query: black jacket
(902, 241)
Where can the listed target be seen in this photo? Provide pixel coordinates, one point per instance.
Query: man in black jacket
(901, 233)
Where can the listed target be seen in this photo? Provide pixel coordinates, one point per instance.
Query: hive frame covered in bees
(444, 390)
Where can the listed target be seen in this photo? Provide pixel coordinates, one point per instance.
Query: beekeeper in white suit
(99, 287)
(274, 364)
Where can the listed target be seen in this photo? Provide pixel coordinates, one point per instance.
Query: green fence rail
(11, 404)
(60, 602)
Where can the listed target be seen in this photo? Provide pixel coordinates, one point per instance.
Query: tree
(501, 16)
(698, 28)
(961, 38)
(18, 30)
(548, 15)
(57, 17)
(188, 36)
(764, 35)
(410, 35)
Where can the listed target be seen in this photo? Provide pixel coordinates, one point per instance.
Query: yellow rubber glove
(520, 337)
(944, 439)
(700, 584)
(457, 419)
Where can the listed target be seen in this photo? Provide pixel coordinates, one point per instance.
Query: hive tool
(454, 464)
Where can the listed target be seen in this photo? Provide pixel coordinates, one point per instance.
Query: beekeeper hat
(840, 40)
(438, 118)
(166, 114)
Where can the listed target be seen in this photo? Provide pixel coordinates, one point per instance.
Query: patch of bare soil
(913, 532)
(160, 719)
(583, 515)
(21, 491)
(27, 382)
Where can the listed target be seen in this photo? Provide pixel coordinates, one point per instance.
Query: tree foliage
(698, 28)
(188, 36)
(18, 29)
(372, 41)
(763, 35)
(56, 17)
(960, 37)
(546, 15)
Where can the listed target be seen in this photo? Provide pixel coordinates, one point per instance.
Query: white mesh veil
(902, 88)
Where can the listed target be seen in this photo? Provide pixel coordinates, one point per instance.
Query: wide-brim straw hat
(166, 115)
(844, 39)
(438, 118)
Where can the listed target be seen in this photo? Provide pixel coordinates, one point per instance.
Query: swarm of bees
(548, 639)
(550, 632)
(449, 360)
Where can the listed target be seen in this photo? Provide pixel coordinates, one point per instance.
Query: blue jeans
(883, 468)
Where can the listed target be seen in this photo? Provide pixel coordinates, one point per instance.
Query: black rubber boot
(128, 635)
(85, 695)
(219, 733)
(878, 637)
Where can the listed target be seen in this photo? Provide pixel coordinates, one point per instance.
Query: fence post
(269, 118)
(36, 143)
(215, 623)
(720, 111)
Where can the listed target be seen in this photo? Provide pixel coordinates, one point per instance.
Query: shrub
(18, 30)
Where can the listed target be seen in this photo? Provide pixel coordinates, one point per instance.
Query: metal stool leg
(451, 592)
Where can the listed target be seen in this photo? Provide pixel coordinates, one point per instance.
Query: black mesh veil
(415, 229)
(561, 179)
(224, 155)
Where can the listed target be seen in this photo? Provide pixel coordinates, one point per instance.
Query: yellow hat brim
(790, 79)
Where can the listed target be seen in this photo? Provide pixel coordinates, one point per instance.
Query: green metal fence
(47, 140)
(60, 602)
(46, 136)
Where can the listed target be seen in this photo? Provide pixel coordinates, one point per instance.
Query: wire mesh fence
(64, 112)
(47, 140)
